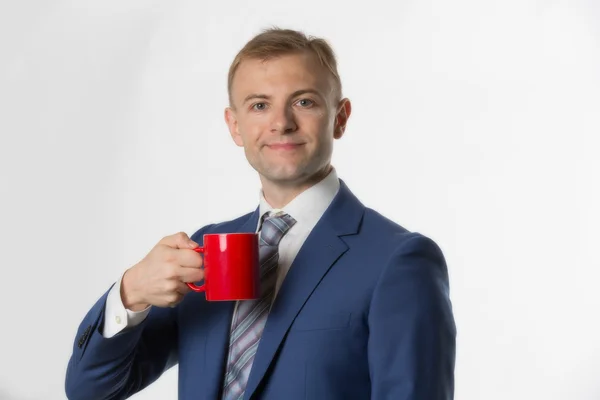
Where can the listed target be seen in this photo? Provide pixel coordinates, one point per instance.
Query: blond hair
(275, 42)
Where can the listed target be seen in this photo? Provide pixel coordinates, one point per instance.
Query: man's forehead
(301, 68)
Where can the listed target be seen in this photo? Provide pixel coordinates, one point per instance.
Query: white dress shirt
(307, 208)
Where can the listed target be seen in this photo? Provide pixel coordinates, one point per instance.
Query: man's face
(285, 114)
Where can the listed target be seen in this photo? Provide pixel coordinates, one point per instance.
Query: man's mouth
(284, 146)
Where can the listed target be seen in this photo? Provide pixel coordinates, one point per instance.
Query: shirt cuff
(116, 316)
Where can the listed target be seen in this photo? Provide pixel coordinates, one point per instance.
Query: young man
(359, 306)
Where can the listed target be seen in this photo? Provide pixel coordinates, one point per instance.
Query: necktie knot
(274, 227)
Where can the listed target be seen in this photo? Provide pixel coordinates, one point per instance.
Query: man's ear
(232, 124)
(341, 118)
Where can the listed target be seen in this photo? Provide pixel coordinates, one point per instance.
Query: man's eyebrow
(305, 91)
(261, 96)
(253, 96)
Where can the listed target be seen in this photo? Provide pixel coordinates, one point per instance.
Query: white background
(474, 122)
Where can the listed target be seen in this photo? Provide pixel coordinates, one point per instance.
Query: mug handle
(191, 285)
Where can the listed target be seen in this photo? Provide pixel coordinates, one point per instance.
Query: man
(360, 306)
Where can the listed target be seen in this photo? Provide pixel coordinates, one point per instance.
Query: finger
(191, 274)
(187, 258)
(179, 240)
(174, 299)
(183, 289)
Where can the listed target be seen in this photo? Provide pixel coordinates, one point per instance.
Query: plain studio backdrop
(474, 122)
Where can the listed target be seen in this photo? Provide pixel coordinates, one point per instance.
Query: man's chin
(293, 175)
(284, 180)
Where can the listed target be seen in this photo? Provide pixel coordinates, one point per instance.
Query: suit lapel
(217, 341)
(320, 251)
(251, 223)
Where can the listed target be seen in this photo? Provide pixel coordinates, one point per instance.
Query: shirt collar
(308, 207)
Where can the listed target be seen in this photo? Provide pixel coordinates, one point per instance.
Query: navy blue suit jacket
(363, 313)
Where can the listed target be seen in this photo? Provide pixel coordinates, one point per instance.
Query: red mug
(231, 267)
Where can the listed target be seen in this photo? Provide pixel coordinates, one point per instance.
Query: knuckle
(170, 286)
(173, 299)
(181, 236)
(171, 271)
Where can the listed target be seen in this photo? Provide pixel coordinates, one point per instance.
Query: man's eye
(305, 103)
(259, 106)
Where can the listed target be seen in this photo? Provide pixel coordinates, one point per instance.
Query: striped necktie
(251, 315)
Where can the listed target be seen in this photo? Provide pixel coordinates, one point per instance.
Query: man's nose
(283, 121)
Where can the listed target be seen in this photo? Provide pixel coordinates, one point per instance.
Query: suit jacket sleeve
(117, 367)
(412, 334)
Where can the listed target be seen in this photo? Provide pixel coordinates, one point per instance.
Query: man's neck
(278, 195)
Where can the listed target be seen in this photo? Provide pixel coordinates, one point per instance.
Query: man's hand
(159, 279)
